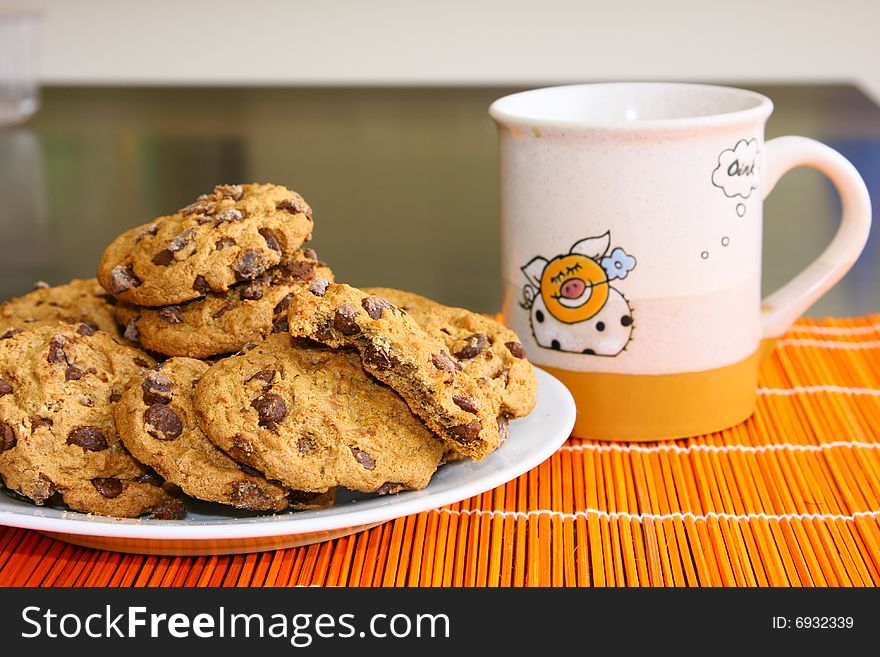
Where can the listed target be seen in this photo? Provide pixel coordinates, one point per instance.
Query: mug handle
(780, 309)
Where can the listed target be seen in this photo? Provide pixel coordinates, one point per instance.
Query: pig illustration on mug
(573, 306)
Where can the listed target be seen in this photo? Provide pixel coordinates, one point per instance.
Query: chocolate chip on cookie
(387, 488)
(266, 376)
(200, 284)
(122, 278)
(466, 433)
(503, 427)
(295, 205)
(251, 292)
(318, 287)
(443, 361)
(345, 319)
(154, 386)
(271, 240)
(231, 214)
(249, 265)
(271, 410)
(200, 207)
(249, 495)
(224, 308)
(363, 458)
(168, 509)
(375, 305)
(149, 229)
(8, 438)
(234, 192)
(89, 438)
(163, 258)
(474, 345)
(109, 487)
(162, 422)
(282, 306)
(131, 332)
(87, 328)
(170, 314)
(466, 403)
(375, 356)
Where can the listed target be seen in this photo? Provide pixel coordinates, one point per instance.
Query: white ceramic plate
(214, 529)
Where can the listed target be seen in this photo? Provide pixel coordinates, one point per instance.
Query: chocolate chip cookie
(58, 440)
(156, 421)
(486, 349)
(233, 234)
(80, 302)
(221, 323)
(312, 418)
(464, 403)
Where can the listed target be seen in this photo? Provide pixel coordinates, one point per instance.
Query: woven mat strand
(791, 497)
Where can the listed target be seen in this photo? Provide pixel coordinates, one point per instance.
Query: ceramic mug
(631, 248)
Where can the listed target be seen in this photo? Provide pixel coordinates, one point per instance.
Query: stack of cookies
(216, 358)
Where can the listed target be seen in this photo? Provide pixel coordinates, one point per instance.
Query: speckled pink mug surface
(631, 247)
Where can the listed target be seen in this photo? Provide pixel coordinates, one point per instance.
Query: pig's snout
(572, 288)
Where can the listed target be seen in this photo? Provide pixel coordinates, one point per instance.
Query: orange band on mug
(640, 407)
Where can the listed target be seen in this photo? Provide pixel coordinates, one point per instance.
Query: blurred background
(513, 42)
(376, 113)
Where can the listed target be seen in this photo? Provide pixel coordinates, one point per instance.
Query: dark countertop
(403, 181)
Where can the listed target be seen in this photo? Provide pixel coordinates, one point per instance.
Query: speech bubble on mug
(737, 170)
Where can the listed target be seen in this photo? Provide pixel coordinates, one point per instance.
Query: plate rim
(415, 501)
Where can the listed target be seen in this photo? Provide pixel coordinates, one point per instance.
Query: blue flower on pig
(618, 264)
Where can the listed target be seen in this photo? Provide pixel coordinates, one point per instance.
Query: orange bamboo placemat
(791, 497)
